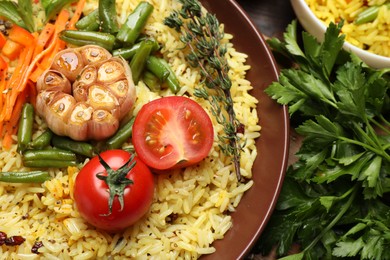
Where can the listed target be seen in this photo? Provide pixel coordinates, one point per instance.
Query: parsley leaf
(334, 201)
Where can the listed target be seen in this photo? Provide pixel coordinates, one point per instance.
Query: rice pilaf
(372, 36)
(191, 206)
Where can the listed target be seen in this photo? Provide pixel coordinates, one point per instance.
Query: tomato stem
(116, 180)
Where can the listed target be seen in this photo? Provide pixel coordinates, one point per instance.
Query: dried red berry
(14, 240)
(36, 246)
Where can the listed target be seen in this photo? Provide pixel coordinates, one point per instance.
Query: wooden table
(270, 16)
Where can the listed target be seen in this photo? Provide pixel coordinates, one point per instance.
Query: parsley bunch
(335, 198)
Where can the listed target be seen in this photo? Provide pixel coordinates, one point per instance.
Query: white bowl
(315, 27)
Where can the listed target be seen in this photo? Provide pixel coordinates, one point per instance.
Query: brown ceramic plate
(258, 203)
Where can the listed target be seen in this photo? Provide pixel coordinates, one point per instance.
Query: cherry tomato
(172, 132)
(92, 194)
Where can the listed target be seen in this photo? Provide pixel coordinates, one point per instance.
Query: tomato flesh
(172, 132)
(91, 194)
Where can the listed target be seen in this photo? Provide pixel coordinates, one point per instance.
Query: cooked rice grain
(191, 206)
(373, 36)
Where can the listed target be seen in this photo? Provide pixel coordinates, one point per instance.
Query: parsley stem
(384, 120)
(368, 147)
(380, 126)
(342, 211)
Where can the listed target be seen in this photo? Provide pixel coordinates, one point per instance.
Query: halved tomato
(172, 132)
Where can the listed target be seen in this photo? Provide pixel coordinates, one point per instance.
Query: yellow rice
(373, 36)
(202, 196)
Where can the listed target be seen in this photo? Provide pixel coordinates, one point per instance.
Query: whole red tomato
(172, 132)
(110, 179)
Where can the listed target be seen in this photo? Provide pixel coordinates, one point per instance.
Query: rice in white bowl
(191, 207)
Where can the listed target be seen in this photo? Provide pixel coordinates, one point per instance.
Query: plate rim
(286, 133)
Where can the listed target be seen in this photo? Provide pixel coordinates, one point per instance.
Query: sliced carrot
(77, 14)
(11, 126)
(44, 38)
(61, 23)
(7, 140)
(21, 35)
(34, 58)
(17, 109)
(62, 20)
(11, 49)
(3, 39)
(3, 83)
(3, 64)
(45, 58)
(18, 81)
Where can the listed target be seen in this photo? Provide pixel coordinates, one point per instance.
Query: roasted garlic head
(85, 93)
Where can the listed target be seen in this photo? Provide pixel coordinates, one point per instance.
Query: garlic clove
(78, 121)
(58, 111)
(44, 98)
(102, 125)
(87, 76)
(80, 92)
(125, 93)
(69, 62)
(54, 80)
(111, 70)
(100, 97)
(94, 53)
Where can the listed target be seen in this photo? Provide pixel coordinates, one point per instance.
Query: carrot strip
(11, 126)
(3, 82)
(14, 77)
(44, 38)
(19, 84)
(3, 39)
(11, 49)
(62, 20)
(7, 141)
(33, 60)
(77, 14)
(43, 60)
(17, 109)
(21, 35)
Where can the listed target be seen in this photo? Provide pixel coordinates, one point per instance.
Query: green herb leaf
(333, 201)
(10, 10)
(26, 12)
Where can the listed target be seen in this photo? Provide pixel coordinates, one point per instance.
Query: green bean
(81, 38)
(89, 22)
(128, 52)
(138, 62)
(107, 16)
(120, 137)
(81, 148)
(154, 65)
(49, 154)
(164, 72)
(25, 177)
(48, 163)
(135, 23)
(26, 122)
(369, 15)
(151, 81)
(9, 10)
(172, 81)
(42, 140)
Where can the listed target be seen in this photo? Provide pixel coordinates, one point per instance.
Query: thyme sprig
(202, 34)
